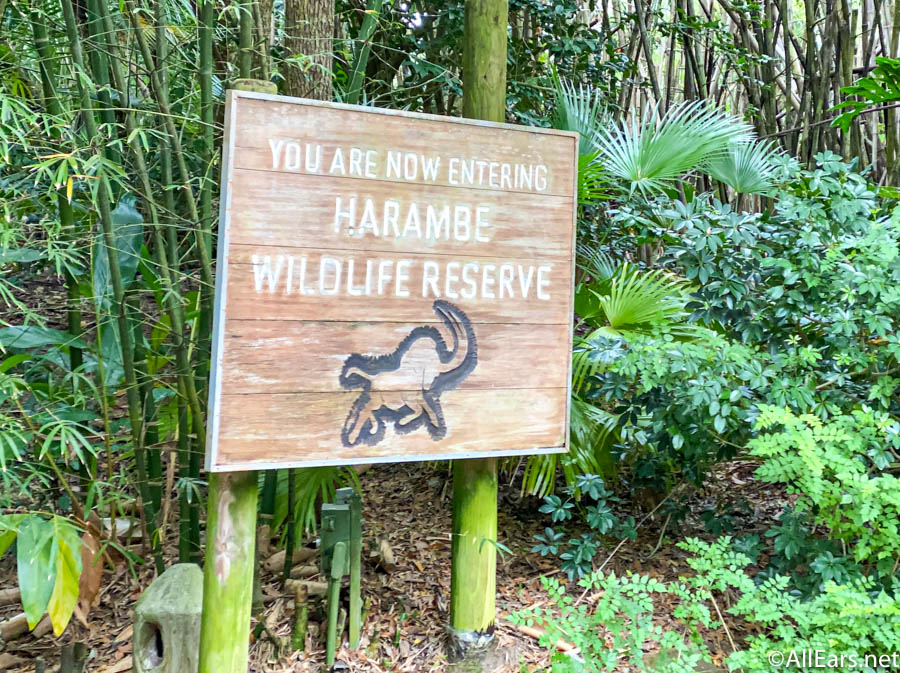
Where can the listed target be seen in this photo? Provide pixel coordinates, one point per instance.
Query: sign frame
(212, 464)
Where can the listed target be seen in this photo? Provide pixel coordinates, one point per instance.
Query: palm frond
(540, 474)
(638, 299)
(592, 431)
(593, 182)
(596, 263)
(581, 109)
(309, 484)
(590, 353)
(578, 109)
(746, 167)
(650, 153)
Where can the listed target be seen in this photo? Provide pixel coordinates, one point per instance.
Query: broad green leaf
(20, 255)
(35, 336)
(111, 349)
(68, 570)
(128, 233)
(9, 528)
(36, 565)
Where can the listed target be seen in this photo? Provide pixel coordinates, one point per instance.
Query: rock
(167, 622)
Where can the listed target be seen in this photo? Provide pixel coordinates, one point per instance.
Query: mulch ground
(407, 506)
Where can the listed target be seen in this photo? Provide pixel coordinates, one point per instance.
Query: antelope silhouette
(404, 387)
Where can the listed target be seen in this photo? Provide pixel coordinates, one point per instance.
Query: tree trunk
(309, 29)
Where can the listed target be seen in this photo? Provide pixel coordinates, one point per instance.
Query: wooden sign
(390, 286)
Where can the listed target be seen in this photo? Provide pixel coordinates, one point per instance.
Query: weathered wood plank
(309, 425)
(259, 122)
(526, 226)
(522, 301)
(264, 356)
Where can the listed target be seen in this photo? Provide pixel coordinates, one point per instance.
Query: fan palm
(746, 167)
(650, 153)
(592, 431)
(577, 109)
(617, 301)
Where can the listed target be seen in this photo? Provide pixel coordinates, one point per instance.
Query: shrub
(615, 625)
(837, 468)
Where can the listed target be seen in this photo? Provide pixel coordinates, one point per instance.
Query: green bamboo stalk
(290, 523)
(47, 67)
(473, 553)
(99, 62)
(162, 101)
(194, 513)
(184, 505)
(267, 500)
(115, 273)
(151, 431)
(205, 33)
(188, 507)
(245, 50)
(161, 248)
(205, 36)
(206, 27)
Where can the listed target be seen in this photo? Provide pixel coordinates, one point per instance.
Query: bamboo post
(301, 617)
(474, 555)
(228, 572)
(230, 544)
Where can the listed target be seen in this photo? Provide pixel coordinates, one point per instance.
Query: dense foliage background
(738, 291)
